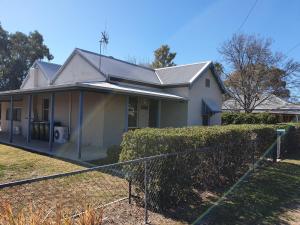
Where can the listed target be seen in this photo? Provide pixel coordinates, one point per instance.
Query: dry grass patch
(16, 164)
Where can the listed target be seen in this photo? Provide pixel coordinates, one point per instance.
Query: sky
(194, 29)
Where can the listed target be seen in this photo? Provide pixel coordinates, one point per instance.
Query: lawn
(269, 196)
(72, 194)
(18, 164)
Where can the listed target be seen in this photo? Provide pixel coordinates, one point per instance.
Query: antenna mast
(103, 43)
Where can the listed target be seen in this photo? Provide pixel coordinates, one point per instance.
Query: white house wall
(34, 82)
(78, 70)
(199, 92)
(173, 114)
(114, 119)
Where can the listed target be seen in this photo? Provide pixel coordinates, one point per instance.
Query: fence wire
(133, 192)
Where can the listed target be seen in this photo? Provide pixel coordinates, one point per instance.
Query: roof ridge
(182, 65)
(113, 58)
(48, 63)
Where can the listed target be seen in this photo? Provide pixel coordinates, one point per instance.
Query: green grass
(18, 164)
(72, 193)
(269, 196)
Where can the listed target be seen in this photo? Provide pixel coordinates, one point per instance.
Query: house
(78, 109)
(286, 111)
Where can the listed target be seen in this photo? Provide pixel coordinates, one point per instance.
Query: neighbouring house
(286, 111)
(79, 109)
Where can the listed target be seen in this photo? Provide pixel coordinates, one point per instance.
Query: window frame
(45, 109)
(207, 82)
(136, 113)
(17, 114)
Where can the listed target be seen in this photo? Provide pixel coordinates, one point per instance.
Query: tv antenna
(103, 43)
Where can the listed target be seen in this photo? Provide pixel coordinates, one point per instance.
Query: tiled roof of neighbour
(272, 104)
(181, 74)
(49, 69)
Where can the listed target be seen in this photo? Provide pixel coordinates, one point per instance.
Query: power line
(292, 49)
(249, 13)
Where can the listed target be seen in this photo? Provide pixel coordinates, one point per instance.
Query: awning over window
(209, 107)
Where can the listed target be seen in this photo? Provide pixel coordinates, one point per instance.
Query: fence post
(129, 191)
(277, 154)
(278, 146)
(145, 191)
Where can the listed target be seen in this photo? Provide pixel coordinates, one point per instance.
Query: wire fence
(133, 192)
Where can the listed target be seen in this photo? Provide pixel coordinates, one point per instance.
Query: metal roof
(94, 86)
(131, 90)
(181, 74)
(121, 69)
(49, 69)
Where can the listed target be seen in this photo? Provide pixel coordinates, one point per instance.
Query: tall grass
(37, 217)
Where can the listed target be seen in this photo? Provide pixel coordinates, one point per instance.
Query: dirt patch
(128, 214)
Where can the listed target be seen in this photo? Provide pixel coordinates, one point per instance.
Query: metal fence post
(278, 145)
(145, 191)
(253, 157)
(129, 191)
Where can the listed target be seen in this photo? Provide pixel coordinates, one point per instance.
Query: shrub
(113, 154)
(231, 149)
(249, 118)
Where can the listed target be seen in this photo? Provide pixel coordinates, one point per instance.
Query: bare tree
(253, 66)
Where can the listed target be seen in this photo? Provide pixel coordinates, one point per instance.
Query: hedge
(249, 118)
(231, 150)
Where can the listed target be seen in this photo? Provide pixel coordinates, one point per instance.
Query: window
(153, 113)
(132, 112)
(16, 114)
(45, 109)
(205, 120)
(207, 82)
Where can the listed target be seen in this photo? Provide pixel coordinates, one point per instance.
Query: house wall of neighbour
(173, 114)
(199, 92)
(78, 70)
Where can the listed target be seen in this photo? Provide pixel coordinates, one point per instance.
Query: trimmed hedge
(249, 118)
(231, 150)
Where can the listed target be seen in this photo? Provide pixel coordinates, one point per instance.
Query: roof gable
(77, 69)
(48, 70)
(181, 74)
(121, 69)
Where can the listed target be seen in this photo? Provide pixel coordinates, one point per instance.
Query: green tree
(163, 57)
(18, 52)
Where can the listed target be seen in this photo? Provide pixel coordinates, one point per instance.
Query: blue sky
(194, 29)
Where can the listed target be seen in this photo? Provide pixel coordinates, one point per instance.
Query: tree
(18, 52)
(256, 71)
(163, 57)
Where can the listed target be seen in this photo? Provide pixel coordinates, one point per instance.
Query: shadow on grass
(264, 198)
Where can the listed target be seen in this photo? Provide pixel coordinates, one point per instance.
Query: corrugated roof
(121, 69)
(131, 90)
(181, 74)
(49, 69)
(176, 75)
